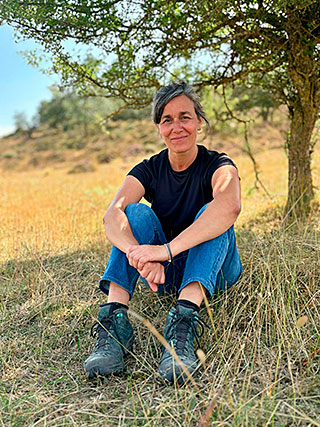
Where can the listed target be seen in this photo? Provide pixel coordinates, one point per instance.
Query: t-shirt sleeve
(143, 174)
(221, 159)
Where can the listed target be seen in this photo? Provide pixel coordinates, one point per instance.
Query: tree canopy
(141, 44)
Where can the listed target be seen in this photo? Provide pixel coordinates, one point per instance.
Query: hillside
(77, 151)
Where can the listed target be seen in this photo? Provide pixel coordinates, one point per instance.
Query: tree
(52, 113)
(22, 124)
(252, 97)
(20, 121)
(67, 111)
(270, 43)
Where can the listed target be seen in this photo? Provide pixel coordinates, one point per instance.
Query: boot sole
(99, 371)
(95, 373)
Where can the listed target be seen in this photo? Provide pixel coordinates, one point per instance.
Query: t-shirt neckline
(185, 171)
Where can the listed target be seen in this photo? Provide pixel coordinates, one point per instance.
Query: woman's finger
(133, 262)
(142, 262)
(163, 276)
(150, 277)
(153, 286)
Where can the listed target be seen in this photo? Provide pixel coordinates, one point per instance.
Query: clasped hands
(146, 259)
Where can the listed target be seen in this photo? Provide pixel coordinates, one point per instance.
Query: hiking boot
(114, 334)
(180, 332)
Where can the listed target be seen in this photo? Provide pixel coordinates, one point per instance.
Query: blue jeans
(215, 264)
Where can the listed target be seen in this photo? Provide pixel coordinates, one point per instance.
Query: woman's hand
(139, 255)
(153, 272)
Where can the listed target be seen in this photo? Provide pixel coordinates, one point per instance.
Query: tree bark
(300, 188)
(304, 104)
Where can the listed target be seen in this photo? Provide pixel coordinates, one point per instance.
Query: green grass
(261, 367)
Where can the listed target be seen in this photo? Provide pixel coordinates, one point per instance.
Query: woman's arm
(118, 231)
(116, 224)
(219, 215)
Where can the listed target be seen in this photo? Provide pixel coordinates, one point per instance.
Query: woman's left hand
(138, 255)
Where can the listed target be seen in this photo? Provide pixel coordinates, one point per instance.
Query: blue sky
(22, 86)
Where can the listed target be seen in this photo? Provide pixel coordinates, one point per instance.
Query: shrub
(82, 167)
(104, 157)
(10, 154)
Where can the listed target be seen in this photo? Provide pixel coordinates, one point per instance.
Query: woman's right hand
(138, 255)
(153, 272)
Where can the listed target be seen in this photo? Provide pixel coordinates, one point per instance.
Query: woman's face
(179, 124)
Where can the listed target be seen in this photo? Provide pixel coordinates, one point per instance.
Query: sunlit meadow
(262, 348)
(52, 211)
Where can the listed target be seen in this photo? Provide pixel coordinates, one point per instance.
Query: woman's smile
(178, 138)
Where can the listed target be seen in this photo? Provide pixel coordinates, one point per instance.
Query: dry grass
(262, 362)
(50, 210)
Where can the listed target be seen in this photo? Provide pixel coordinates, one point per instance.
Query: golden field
(261, 348)
(50, 210)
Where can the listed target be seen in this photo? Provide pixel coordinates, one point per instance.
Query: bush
(104, 157)
(74, 145)
(43, 145)
(82, 167)
(10, 154)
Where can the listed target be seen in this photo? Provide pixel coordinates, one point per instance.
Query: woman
(184, 243)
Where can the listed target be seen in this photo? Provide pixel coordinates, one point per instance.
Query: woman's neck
(181, 161)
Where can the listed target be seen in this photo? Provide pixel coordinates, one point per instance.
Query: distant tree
(23, 125)
(132, 114)
(20, 121)
(53, 112)
(237, 39)
(68, 111)
(248, 98)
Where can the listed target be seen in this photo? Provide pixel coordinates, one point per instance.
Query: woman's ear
(199, 129)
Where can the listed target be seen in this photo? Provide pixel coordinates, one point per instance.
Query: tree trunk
(300, 188)
(304, 103)
(265, 114)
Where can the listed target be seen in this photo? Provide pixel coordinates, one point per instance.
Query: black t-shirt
(176, 197)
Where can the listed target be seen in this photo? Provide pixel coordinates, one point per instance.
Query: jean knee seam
(217, 261)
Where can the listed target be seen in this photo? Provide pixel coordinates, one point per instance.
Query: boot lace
(104, 330)
(180, 328)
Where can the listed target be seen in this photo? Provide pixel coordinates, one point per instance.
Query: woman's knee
(141, 219)
(138, 212)
(201, 210)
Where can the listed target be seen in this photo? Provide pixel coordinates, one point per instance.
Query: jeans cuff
(205, 283)
(105, 282)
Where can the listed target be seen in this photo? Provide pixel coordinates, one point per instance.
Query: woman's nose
(176, 125)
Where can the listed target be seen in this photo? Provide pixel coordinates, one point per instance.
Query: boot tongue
(183, 328)
(185, 310)
(105, 323)
(106, 310)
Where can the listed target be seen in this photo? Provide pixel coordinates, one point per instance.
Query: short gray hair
(167, 93)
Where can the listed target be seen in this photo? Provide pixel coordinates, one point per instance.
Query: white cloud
(6, 130)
